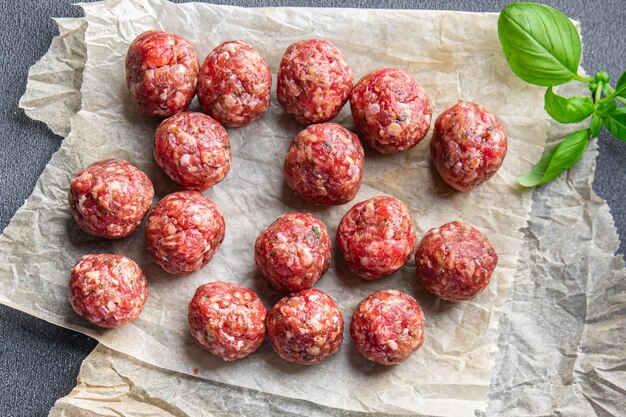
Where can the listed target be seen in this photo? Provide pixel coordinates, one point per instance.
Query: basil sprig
(542, 47)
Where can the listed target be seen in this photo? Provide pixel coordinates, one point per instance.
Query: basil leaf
(556, 160)
(568, 110)
(606, 108)
(540, 43)
(534, 176)
(615, 123)
(620, 89)
(596, 125)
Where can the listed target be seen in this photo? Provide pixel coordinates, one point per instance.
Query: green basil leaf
(606, 108)
(534, 176)
(620, 89)
(540, 43)
(615, 123)
(556, 160)
(596, 125)
(568, 110)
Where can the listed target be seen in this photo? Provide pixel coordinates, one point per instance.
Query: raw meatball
(107, 290)
(387, 327)
(376, 237)
(193, 150)
(391, 110)
(227, 319)
(468, 145)
(324, 164)
(305, 327)
(184, 231)
(455, 261)
(234, 84)
(314, 81)
(293, 252)
(161, 73)
(110, 198)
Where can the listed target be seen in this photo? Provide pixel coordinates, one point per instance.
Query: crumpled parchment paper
(452, 60)
(54, 84)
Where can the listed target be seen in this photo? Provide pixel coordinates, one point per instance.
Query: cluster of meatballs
(323, 165)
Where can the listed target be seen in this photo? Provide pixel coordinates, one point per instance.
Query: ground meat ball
(468, 145)
(161, 73)
(234, 84)
(305, 327)
(391, 110)
(293, 252)
(227, 319)
(110, 198)
(387, 327)
(324, 164)
(107, 290)
(314, 81)
(193, 150)
(184, 231)
(455, 261)
(376, 237)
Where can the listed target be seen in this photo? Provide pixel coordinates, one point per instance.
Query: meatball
(314, 81)
(161, 73)
(468, 145)
(324, 164)
(193, 150)
(391, 110)
(455, 261)
(376, 237)
(110, 198)
(227, 319)
(107, 290)
(293, 252)
(184, 230)
(234, 84)
(387, 327)
(305, 327)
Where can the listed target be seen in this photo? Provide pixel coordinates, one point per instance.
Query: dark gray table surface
(38, 361)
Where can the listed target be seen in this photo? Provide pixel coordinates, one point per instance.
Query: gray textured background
(38, 361)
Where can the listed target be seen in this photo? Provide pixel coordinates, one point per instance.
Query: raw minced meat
(468, 145)
(234, 84)
(293, 252)
(376, 237)
(161, 73)
(227, 319)
(107, 290)
(314, 81)
(387, 327)
(183, 231)
(305, 327)
(455, 261)
(193, 150)
(110, 198)
(391, 110)
(324, 164)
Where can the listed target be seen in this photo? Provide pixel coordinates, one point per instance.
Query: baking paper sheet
(452, 60)
(53, 92)
(558, 355)
(111, 382)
